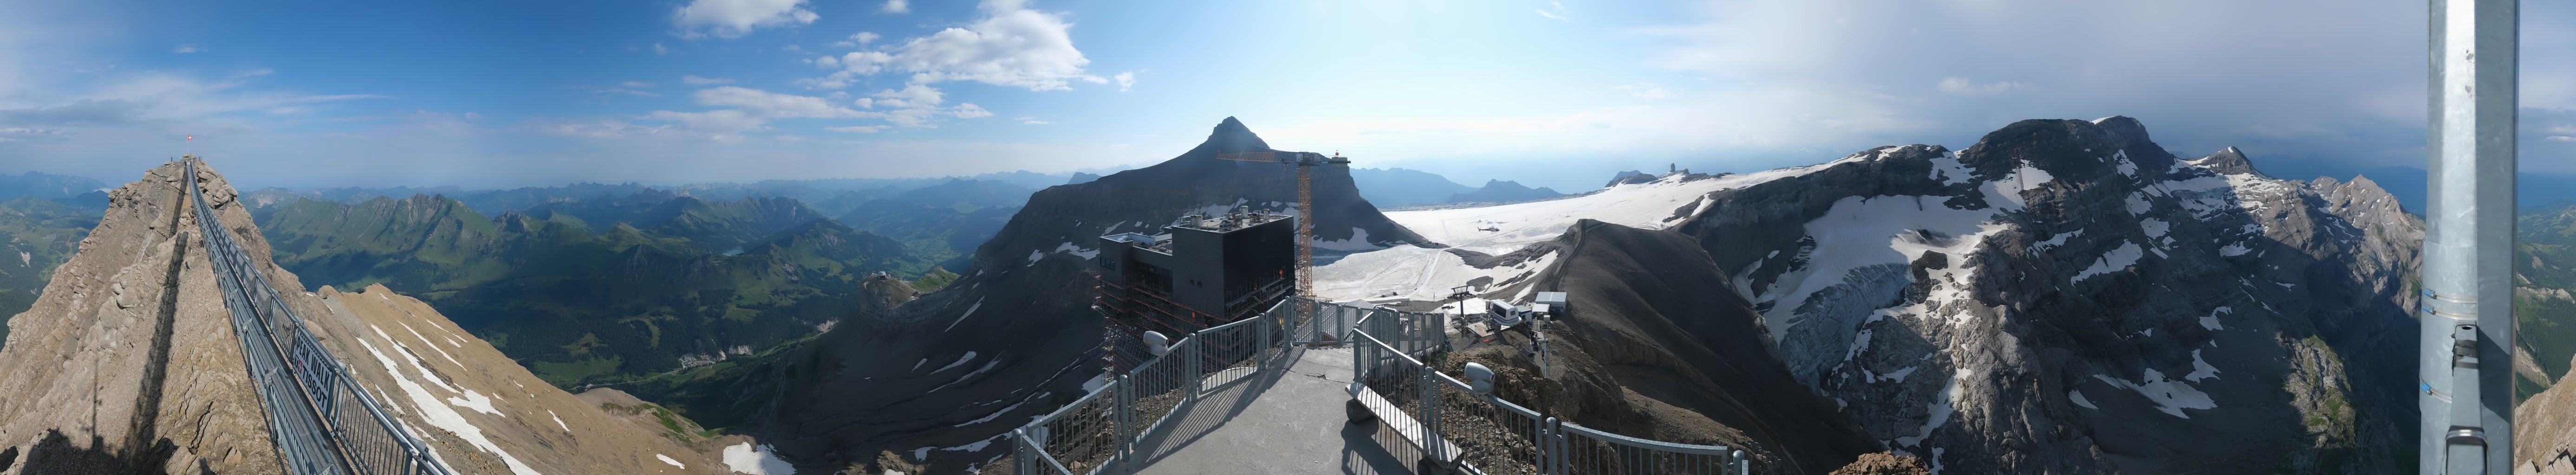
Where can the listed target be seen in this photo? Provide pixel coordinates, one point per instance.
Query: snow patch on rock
(744, 458)
(2170, 396)
(2119, 258)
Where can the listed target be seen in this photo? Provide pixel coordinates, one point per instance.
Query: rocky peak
(1231, 136)
(2228, 161)
(2063, 149)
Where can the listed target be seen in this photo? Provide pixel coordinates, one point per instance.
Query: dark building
(1205, 271)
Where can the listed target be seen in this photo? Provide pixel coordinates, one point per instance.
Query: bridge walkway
(1287, 421)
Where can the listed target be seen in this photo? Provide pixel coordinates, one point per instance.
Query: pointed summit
(1231, 136)
(2229, 161)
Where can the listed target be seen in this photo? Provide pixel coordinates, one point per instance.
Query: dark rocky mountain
(2066, 296)
(1391, 187)
(1629, 177)
(1499, 191)
(950, 373)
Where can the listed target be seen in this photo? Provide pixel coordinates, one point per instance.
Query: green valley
(603, 289)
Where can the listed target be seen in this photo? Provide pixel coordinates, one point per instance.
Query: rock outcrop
(129, 364)
(1644, 352)
(2544, 433)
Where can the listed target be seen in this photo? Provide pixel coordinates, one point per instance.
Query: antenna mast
(2466, 362)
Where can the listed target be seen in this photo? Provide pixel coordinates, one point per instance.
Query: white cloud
(636, 84)
(734, 18)
(1126, 80)
(1031, 120)
(658, 49)
(909, 97)
(1646, 90)
(1958, 86)
(896, 6)
(858, 39)
(858, 129)
(1010, 45)
(970, 110)
(1555, 11)
(770, 104)
(188, 49)
(694, 80)
(739, 110)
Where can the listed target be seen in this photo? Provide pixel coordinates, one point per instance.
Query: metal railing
(1493, 436)
(1100, 430)
(321, 421)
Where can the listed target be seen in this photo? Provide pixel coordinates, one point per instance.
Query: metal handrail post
(1430, 410)
(1020, 452)
(1546, 459)
(1123, 415)
(1190, 369)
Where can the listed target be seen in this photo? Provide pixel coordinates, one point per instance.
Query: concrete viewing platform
(1290, 421)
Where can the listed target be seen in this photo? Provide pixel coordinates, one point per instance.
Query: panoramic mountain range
(161, 386)
(2063, 296)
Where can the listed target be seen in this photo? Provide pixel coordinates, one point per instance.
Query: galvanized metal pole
(2466, 392)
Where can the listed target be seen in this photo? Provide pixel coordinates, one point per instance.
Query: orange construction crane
(1304, 162)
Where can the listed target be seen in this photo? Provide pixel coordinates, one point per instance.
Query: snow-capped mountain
(2064, 296)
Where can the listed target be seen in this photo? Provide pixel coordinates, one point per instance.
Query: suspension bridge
(321, 421)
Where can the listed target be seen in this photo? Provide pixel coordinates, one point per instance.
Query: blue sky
(1550, 93)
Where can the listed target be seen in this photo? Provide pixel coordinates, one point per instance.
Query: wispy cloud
(857, 40)
(694, 80)
(896, 6)
(1010, 45)
(190, 48)
(1958, 86)
(1555, 11)
(1646, 90)
(1126, 80)
(734, 18)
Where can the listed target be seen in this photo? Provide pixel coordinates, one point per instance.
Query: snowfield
(1413, 272)
(1505, 228)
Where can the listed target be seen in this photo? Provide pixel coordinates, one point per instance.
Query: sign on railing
(320, 420)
